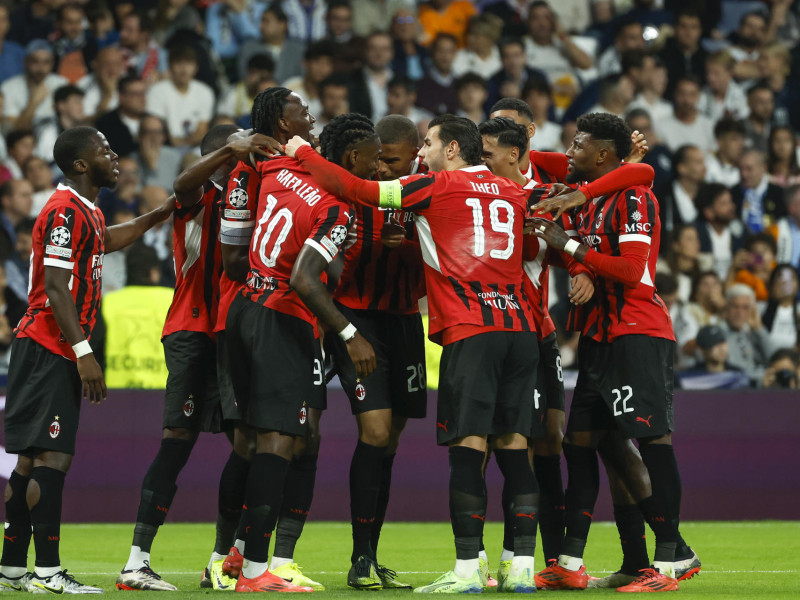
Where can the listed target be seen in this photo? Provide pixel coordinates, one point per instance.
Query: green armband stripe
(391, 194)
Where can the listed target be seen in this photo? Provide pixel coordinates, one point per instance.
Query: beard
(574, 176)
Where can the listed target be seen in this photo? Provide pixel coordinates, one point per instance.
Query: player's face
(432, 152)
(366, 159)
(501, 160)
(103, 163)
(582, 157)
(519, 119)
(296, 118)
(396, 160)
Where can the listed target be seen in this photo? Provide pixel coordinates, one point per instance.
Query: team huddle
(285, 255)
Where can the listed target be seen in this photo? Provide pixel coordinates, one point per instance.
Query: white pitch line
(703, 572)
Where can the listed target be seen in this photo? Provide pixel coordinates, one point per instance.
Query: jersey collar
(67, 188)
(475, 169)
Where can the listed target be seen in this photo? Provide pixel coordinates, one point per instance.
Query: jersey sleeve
(64, 230)
(331, 224)
(555, 163)
(627, 175)
(239, 200)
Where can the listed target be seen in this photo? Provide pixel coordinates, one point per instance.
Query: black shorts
(43, 400)
(551, 377)
(227, 399)
(276, 367)
(625, 385)
(399, 381)
(191, 400)
(487, 386)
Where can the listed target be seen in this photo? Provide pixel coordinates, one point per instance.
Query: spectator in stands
(472, 94)
(402, 100)
(32, 20)
(186, 104)
(650, 77)
(121, 125)
(761, 102)
(20, 146)
(16, 200)
(143, 56)
(687, 123)
(539, 96)
(684, 324)
(683, 259)
(722, 96)
(715, 371)
(100, 86)
(721, 233)
(12, 55)
(37, 171)
(746, 43)
(102, 30)
(445, 16)
(238, 100)
(436, 90)
(707, 301)
(774, 65)
(781, 313)
(629, 36)
(480, 54)
(114, 270)
(158, 164)
(759, 203)
(753, 264)
(678, 199)
(658, 156)
(509, 81)
(286, 52)
(369, 85)
(306, 19)
(550, 49)
(722, 166)
(123, 197)
(317, 65)
(682, 54)
(69, 41)
(375, 15)
(16, 269)
(28, 96)
(68, 101)
(349, 46)
(514, 14)
(615, 94)
(160, 236)
(783, 371)
(229, 25)
(9, 317)
(333, 97)
(172, 16)
(787, 230)
(410, 57)
(782, 164)
(748, 340)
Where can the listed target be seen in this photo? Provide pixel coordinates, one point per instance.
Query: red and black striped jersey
(624, 225)
(547, 167)
(237, 220)
(469, 223)
(375, 277)
(292, 212)
(69, 233)
(198, 265)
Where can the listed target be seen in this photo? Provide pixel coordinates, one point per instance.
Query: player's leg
(17, 535)
(387, 464)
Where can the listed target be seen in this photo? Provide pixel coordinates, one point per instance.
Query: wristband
(348, 333)
(571, 247)
(82, 349)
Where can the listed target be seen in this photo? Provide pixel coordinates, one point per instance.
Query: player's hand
(560, 201)
(362, 355)
(639, 148)
(294, 144)
(245, 143)
(582, 289)
(549, 232)
(94, 384)
(393, 233)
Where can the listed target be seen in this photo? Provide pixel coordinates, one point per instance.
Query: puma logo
(481, 518)
(238, 180)
(443, 426)
(643, 420)
(65, 217)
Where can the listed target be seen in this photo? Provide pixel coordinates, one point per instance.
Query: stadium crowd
(711, 86)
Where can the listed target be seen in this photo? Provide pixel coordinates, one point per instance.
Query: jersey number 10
(504, 227)
(260, 243)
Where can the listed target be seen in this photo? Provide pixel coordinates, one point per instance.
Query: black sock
(265, 484)
(46, 515)
(232, 484)
(524, 492)
(467, 500)
(630, 524)
(383, 499)
(298, 493)
(666, 484)
(551, 504)
(508, 518)
(682, 550)
(581, 495)
(365, 478)
(17, 536)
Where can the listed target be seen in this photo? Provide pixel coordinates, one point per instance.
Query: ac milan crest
(303, 415)
(188, 407)
(361, 392)
(55, 428)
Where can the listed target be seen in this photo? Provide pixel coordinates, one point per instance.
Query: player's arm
(305, 280)
(237, 219)
(56, 286)
(189, 185)
(119, 236)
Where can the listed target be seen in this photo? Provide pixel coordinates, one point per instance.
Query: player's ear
(531, 130)
(452, 150)
(350, 158)
(515, 154)
(80, 165)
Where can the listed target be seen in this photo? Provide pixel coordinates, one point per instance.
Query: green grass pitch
(740, 560)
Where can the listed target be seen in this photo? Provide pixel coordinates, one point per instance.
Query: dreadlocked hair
(268, 109)
(344, 132)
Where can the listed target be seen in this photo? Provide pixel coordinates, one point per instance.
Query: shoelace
(147, 570)
(69, 578)
(646, 574)
(386, 571)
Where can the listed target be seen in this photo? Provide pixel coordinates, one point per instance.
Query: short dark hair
(753, 13)
(637, 113)
(727, 125)
(261, 62)
(513, 104)
(65, 91)
(182, 52)
(463, 131)
(605, 126)
(139, 262)
(691, 79)
(13, 137)
(319, 50)
(71, 145)
(394, 129)
(689, 13)
(782, 353)
(609, 85)
(632, 59)
(336, 80)
(509, 134)
(216, 138)
(25, 225)
(707, 194)
(125, 81)
(759, 86)
(443, 37)
(275, 9)
(681, 155)
(470, 79)
(406, 83)
(666, 283)
(509, 40)
(761, 238)
(535, 84)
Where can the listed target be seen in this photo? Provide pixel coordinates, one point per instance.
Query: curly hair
(342, 133)
(605, 126)
(268, 109)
